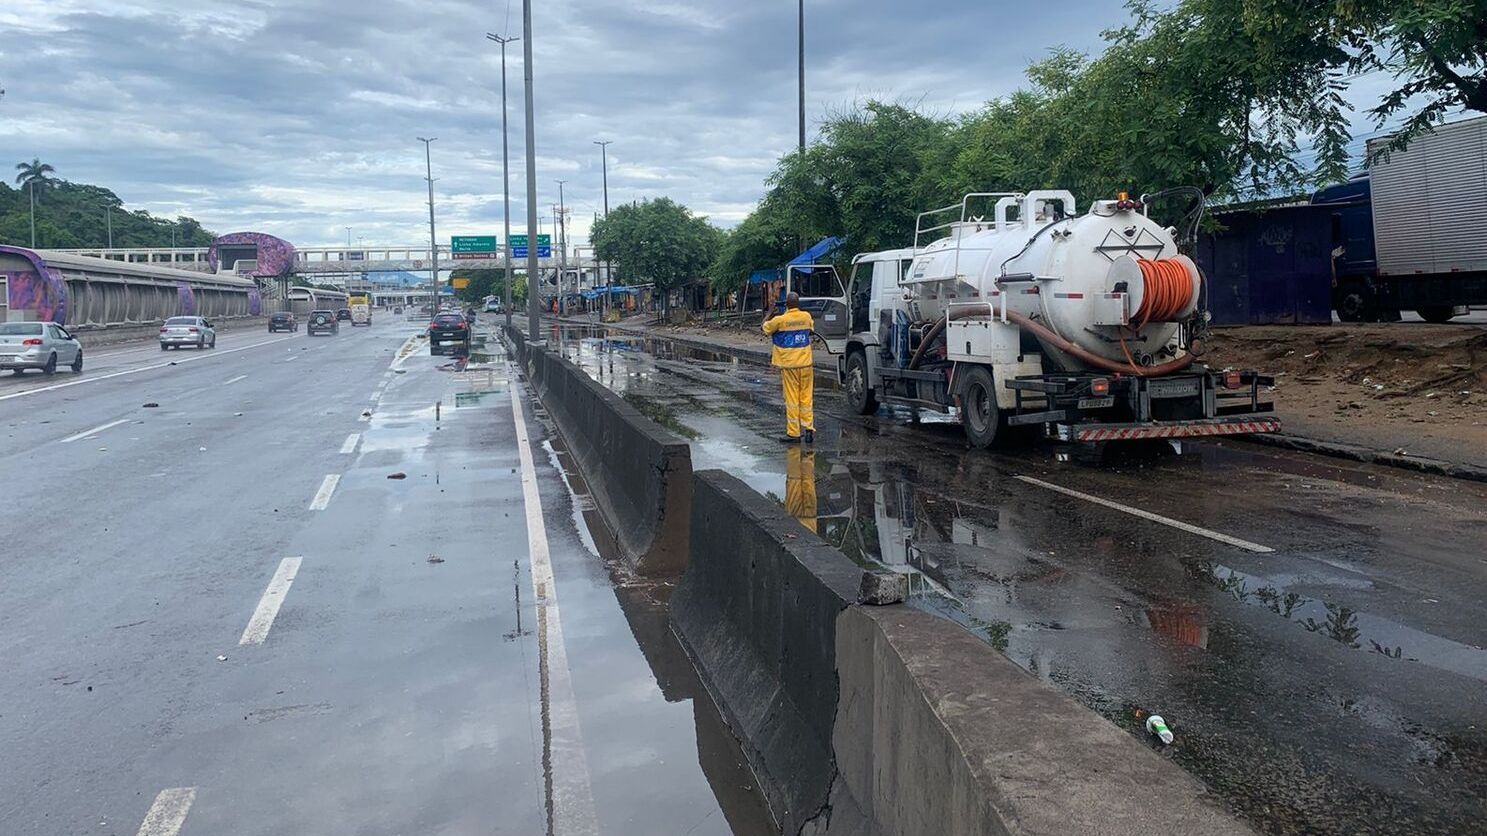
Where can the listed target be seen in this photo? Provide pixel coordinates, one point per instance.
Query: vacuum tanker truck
(1014, 309)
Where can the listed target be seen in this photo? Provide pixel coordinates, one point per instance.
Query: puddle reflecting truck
(1016, 310)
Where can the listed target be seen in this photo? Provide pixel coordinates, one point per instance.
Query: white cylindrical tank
(1080, 275)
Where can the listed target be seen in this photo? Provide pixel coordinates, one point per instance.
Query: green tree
(657, 241)
(35, 171)
(79, 215)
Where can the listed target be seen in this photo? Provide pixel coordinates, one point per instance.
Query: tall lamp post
(604, 164)
(802, 76)
(506, 177)
(428, 163)
(526, 7)
(562, 231)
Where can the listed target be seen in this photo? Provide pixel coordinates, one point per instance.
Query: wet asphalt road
(405, 684)
(1324, 674)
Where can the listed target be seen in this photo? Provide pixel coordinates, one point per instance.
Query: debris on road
(366, 413)
(399, 475)
(221, 658)
(151, 405)
(1157, 726)
(434, 558)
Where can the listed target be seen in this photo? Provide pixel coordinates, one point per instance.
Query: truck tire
(978, 408)
(860, 394)
(1352, 303)
(1436, 313)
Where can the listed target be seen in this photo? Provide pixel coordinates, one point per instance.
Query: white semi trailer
(1089, 326)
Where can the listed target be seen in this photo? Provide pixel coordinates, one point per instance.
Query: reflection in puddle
(1352, 629)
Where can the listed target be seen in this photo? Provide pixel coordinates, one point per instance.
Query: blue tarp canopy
(823, 248)
(767, 276)
(612, 291)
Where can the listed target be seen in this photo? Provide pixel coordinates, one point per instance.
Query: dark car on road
(322, 322)
(343, 315)
(449, 334)
(282, 322)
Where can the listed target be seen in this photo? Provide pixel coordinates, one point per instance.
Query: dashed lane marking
(273, 598)
(322, 496)
(233, 380)
(168, 812)
(1156, 518)
(349, 445)
(96, 430)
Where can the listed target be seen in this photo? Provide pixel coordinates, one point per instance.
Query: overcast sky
(299, 117)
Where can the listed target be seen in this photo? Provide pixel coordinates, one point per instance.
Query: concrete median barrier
(639, 473)
(862, 719)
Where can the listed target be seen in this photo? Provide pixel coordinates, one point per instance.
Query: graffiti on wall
(275, 255)
(40, 291)
(188, 299)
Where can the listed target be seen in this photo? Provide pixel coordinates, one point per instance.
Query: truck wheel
(978, 409)
(859, 394)
(1351, 305)
(1436, 313)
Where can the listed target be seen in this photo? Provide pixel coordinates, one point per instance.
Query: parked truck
(1013, 309)
(1411, 234)
(361, 310)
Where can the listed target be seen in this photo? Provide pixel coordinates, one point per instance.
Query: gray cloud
(299, 117)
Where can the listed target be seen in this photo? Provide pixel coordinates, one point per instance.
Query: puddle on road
(1296, 693)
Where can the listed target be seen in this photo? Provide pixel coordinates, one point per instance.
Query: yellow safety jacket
(791, 333)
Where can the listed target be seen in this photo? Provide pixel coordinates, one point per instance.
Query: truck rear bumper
(1201, 428)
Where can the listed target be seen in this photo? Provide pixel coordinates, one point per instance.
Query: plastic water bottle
(1157, 726)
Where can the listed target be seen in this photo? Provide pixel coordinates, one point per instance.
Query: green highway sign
(474, 246)
(519, 246)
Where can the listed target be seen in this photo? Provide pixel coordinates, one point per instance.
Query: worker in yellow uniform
(791, 332)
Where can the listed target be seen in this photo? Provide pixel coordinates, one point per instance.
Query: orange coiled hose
(1169, 291)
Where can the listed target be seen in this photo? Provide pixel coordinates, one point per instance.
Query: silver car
(38, 345)
(187, 330)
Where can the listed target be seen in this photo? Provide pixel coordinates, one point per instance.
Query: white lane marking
(1156, 518)
(291, 358)
(168, 812)
(404, 352)
(233, 380)
(98, 429)
(349, 445)
(182, 361)
(572, 795)
(322, 496)
(273, 598)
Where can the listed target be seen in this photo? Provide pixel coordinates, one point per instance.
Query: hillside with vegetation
(72, 215)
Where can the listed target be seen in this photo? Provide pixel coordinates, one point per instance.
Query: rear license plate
(1096, 403)
(1173, 388)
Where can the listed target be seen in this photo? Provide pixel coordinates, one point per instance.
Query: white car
(187, 330)
(38, 345)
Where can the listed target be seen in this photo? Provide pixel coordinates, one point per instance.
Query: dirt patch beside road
(1399, 386)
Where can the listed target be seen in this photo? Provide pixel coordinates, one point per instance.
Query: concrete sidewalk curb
(1335, 449)
(1368, 455)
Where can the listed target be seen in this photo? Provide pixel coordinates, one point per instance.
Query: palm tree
(32, 173)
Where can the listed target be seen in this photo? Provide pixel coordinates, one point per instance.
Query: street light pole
(562, 242)
(31, 189)
(506, 177)
(428, 162)
(348, 237)
(802, 76)
(108, 219)
(604, 162)
(531, 173)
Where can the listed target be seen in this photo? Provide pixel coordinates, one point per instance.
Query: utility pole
(563, 239)
(532, 278)
(31, 190)
(108, 219)
(428, 163)
(506, 177)
(802, 76)
(604, 162)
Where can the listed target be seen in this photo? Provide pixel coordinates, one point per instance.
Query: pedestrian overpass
(322, 261)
